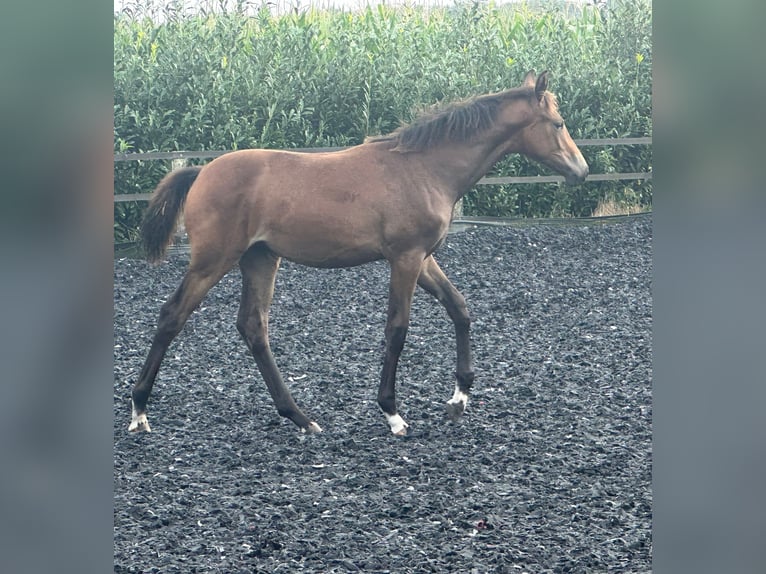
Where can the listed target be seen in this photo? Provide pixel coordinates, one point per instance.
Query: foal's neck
(459, 167)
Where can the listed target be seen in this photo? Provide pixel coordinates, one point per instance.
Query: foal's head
(543, 135)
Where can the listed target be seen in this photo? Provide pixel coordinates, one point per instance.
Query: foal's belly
(328, 258)
(330, 250)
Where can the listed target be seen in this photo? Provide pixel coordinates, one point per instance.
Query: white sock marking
(458, 397)
(397, 424)
(138, 422)
(313, 428)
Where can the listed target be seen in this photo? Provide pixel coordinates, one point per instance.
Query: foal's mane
(456, 122)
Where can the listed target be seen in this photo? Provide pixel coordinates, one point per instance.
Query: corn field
(244, 78)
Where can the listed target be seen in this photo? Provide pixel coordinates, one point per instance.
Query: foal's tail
(164, 208)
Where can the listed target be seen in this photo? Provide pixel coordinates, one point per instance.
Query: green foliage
(329, 78)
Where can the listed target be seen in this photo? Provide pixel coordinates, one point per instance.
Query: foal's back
(335, 209)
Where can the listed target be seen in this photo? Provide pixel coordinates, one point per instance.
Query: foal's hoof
(455, 411)
(139, 424)
(397, 424)
(312, 428)
(456, 405)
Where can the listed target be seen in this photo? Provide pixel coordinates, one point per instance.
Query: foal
(389, 198)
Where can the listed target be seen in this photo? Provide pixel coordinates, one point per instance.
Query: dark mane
(455, 122)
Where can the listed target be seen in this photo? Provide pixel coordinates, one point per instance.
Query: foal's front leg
(404, 276)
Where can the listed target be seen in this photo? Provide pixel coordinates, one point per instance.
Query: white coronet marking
(312, 428)
(459, 397)
(397, 424)
(139, 423)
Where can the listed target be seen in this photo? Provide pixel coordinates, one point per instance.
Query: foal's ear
(541, 85)
(529, 79)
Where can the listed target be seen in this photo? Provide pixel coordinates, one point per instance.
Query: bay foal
(389, 198)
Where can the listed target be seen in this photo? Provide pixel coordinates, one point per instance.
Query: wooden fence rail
(180, 157)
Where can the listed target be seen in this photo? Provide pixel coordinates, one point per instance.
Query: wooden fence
(179, 158)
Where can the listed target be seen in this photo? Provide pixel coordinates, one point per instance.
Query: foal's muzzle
(576, 178)
(578, 172)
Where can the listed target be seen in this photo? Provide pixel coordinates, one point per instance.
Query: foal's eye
(559, 125)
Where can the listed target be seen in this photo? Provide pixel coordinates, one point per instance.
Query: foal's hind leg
(173, 315)
(433, 280)
(259, 270)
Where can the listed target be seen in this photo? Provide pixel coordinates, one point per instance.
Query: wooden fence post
(180, 235)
